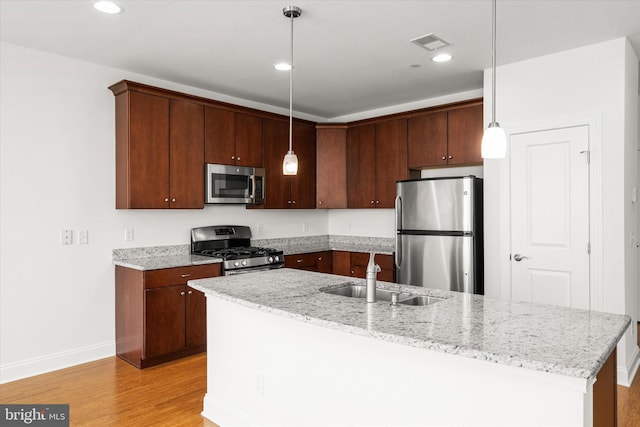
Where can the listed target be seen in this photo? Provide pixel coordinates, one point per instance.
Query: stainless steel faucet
(372, 271)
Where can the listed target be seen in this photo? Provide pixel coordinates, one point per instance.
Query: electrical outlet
(66, 237)
(83, 237)
(128, 234)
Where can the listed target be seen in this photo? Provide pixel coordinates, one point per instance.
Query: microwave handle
(252, 195)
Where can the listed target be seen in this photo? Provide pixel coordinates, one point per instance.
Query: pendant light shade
(290, 162)
(494, 141)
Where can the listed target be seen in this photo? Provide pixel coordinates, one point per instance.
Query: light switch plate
(83, 237)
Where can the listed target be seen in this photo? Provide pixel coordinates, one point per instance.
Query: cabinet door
(164, 320)
(331, 163)
(341, 263)
(248, 130)
(465, 135)
(219, 136)
(147, 154)
(427, 140)
(186, 160)
(325, 262)
(196, 318)
(303, 185)
(305, 261)
(275, 137)
(360, 260)
(391, 160)
(361, 166)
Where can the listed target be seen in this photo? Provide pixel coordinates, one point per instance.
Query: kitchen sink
(419, 300)
(354, 290)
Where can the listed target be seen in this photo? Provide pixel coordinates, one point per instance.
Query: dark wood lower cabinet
(605, 394)
(158, 317)
(342, 262)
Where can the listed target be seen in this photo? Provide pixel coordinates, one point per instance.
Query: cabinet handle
(238, 158)
(185, 275)
(319, 202)
(450, 157)
(319, 258)
(190, 292)
(353, 272)
(166, 200)
(372, 202)
(298, 260)
(294, 202)
(233, 157)
(377, 202)
(182, 293)
(173, 200)
(444, 158)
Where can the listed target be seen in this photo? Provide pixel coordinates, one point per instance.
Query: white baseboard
(53, 362)
(627, 373)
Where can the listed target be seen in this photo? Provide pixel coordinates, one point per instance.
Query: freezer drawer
(436, 261)
(436, 204)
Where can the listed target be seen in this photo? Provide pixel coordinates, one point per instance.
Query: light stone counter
(299, 245)
(544, 338)
(159, 257)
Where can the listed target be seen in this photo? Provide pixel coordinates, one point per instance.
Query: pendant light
(290, 162)
(494, 141)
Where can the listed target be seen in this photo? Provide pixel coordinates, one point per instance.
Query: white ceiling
(350, 56)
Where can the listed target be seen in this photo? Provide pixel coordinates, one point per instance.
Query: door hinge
(588, 153)
(589, 248)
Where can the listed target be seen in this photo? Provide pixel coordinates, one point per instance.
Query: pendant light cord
(493, 66)
(291, 90)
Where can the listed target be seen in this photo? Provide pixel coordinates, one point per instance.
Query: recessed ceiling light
(442, 57)
(282, 66)
(107, 7)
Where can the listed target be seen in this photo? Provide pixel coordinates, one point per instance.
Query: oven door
(229, 184)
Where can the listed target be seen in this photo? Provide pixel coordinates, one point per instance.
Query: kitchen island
(281, 352)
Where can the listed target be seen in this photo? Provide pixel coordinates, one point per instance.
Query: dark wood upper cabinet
(219, 136)
(446, 138)
(331, 162)
(186, 155)
(232, 138)
(391, 160)
(361, 166)
(159, 152)
(297, 191)
(248, 130)
(275, 137)
(303, 185)
(376, 159)
(465, 135)
(427, 140)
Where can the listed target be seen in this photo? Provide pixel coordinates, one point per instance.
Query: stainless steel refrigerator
(439, 233)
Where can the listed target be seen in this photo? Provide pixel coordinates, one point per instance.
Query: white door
(550, 217)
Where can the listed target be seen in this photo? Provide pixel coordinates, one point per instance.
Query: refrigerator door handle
(398, 257)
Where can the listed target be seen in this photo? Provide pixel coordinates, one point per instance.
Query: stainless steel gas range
(232, 243)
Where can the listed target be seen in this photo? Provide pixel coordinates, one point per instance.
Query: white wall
(57, 172)
(593, 85)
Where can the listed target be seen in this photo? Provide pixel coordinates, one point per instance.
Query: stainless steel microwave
(233, 184)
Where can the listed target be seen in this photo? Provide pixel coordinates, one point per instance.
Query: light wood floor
(110, 392)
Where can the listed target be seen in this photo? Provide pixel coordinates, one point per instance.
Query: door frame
(594, 123)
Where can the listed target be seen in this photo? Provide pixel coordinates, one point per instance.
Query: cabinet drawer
(308, 260)
(179, 275)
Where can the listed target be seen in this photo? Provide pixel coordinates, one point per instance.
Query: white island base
(267, 369)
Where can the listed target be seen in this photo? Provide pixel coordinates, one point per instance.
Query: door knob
(519, 257)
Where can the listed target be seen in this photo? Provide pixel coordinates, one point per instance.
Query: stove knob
(244, 263)
(277, 258)
(236, 264)
(270, 259)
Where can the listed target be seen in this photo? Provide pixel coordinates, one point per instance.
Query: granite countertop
(545, 338)
(158, 257)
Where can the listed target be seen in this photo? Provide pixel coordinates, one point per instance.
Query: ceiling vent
(430, 42)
